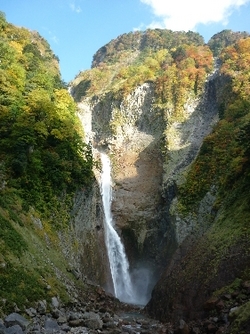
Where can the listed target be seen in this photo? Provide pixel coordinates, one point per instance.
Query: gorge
(162, 118)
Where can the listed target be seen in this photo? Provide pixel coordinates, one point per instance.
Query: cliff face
(131, 134)
(83, 243)
(131, 130)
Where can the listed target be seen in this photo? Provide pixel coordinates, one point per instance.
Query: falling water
(119, 265)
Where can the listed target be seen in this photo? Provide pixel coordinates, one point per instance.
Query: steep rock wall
(146, 174)
(131, 132)
(211, 255)
(184, 141)
(84, 242)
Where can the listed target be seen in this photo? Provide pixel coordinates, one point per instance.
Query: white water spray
(119, 265)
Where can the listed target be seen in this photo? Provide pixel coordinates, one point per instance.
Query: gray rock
(16, 329)
(109, 324)
(16, 319)
(51, 326)
(76, 323)
(65, 328)
(36, 328)
(74, 316)
(42, 307)
(55, 302)
(61, 320)
(56, 313)
(232, 312)
(94, 321)
(183, 328)
(2, 328)
(31, 312)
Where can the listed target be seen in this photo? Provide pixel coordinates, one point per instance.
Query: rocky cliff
(83, 243)
(171, 213)
(144, 179)
(146, 169)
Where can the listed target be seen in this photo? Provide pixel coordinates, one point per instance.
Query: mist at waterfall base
(134, 287)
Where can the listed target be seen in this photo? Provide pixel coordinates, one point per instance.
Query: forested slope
(43, 160)
(215, 261)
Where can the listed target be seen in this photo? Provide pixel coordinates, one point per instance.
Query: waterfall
(119, 265)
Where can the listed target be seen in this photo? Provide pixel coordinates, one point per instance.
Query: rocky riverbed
(98, 312)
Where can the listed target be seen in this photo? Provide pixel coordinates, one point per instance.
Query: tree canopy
(42, 149)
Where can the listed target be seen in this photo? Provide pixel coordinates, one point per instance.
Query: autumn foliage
(224, 158)
(42, 152)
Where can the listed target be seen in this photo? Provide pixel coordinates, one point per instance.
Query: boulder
(55, 302)
(183, 328)
(16, 319)
(31, 312)
(42, 306)
(94, 321)
(16, 329)
(51, 326)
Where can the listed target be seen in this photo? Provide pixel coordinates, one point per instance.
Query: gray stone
(74, 316)
(109, 324)
(183, 328)
(16, 329)
(94, 321)
(16, 319)
(31, 312)
(42, 307)
(61, 319)
(76, 323)
(51, 326)
(56, 313)
(2, 328)
(65, 328)
(55, 302)
(232, 312)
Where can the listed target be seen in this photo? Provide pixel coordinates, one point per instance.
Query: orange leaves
(243, 46)
(237, 65)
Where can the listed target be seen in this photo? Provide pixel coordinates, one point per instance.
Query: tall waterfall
(119, 265)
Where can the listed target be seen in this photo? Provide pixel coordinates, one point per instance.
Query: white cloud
(75, 8)
(55, 39)
(187, 14)
(140, 27)
(51, 35)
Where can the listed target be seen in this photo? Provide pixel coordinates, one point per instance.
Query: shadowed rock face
(84, 242)
(137, 192)
(186, 286)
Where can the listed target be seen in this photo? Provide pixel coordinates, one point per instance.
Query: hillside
(173, 115)
(43, 159)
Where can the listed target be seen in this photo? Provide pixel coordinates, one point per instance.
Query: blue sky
(76, 29)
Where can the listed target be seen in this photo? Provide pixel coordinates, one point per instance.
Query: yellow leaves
(38, 99)
(16, 76)
(65, 105)
(243, 46)
(41, 128)
(237, 65)
(17, 46)
(57, 134)
(152, 64)
(163, 56)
